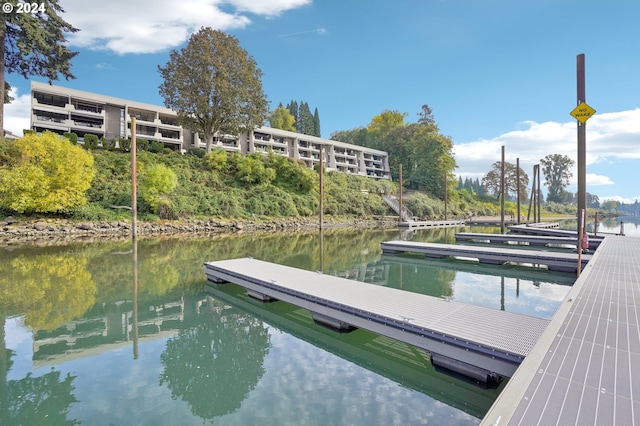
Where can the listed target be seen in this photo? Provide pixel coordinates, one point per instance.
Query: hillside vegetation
(224, 185)
(193, 186)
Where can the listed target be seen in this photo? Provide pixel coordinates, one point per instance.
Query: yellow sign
(582, 112)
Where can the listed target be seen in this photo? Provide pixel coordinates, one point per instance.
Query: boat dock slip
(480, 341)
(412, 224)
(563, 262)
(531, 240)
(585, 370)
(532, 230)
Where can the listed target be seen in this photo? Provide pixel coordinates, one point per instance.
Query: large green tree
(214, 85)
(304, 123)
(34, 44)
(425, 154)
(555, 168)
(491, 181)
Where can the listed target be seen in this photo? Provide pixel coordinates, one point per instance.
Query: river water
(88, 338)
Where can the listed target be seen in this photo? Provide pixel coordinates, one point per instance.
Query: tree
(610, 206)
(304, 123)
(157, 183)
(33, 44)
(214, 86)
(593, 201)
(491, 181)
(555, 168)
(386, 121)
(281, 118)
(293, 109)
(49, 174)
(316, 123)
(425, 116)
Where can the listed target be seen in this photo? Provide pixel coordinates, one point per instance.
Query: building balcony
(85, 112)
(50, 122)
(86, 127)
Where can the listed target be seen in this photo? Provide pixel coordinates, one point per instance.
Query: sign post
(581, 113)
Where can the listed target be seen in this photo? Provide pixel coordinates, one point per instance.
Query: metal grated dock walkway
(585, 369)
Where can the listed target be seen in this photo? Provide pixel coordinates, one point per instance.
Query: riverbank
(17, 232)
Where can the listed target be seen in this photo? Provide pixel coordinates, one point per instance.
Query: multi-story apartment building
(60, 110)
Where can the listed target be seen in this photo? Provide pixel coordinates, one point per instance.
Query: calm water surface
(86, 340)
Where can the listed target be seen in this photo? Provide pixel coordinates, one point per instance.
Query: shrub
(49, 175)
(142, 144)
(156, 147)
(198, 152)
(90, 141)
(109, 145)
(157, 183)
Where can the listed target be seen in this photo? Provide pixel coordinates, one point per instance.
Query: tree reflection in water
(215, 364)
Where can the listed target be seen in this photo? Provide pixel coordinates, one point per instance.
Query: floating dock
(415, 224)
(562, 262)
(585, 370)
(524, 239)
(552, 232)
(479, 342)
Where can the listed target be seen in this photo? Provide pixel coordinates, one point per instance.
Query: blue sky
(495, 72)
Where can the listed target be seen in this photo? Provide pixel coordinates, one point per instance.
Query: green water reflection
(87, 337)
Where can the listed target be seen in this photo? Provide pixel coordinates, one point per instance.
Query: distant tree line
(472, 186)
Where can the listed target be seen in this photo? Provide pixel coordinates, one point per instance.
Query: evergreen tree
(305, 120)
(33, 44)
(316, 123)
(293, 109)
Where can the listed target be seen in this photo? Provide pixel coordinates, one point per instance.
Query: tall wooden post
(532, 197)
(135, 299)
(134, 190)
(582, 132)
(321, 201)
(518, 190)
(400, 195)
(539, 197)
(446, 190)
(502, 192)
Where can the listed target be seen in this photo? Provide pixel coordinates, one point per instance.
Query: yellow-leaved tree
(45, 174)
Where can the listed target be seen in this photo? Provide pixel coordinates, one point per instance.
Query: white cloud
(147, 26)
(268, 8)
(16, 114)
(104, 66)
(610, 137)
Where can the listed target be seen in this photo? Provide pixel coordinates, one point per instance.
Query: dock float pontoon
(562, 262)
(524, 239)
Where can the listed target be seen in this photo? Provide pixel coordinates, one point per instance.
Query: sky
(495, 72)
